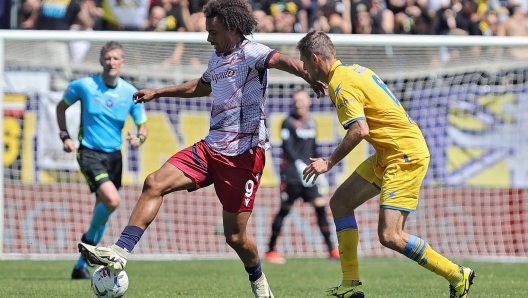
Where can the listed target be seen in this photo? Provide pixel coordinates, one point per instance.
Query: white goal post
(468, 94)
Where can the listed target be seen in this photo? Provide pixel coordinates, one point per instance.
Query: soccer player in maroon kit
(232, 155)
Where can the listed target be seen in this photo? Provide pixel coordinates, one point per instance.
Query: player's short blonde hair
(316, 42)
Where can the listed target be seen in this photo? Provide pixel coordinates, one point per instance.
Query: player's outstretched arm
(295, 67)
(355, 133)
(194, 88)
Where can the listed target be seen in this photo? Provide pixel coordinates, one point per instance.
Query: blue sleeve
(138, 114)
(72, 94)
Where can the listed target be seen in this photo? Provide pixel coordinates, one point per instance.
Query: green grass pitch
(382, 277)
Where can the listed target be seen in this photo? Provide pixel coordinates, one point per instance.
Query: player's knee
(152, 183)
(112, 203)
(234, 240)
(388, 239)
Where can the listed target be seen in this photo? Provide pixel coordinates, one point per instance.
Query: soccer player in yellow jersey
(368, 110)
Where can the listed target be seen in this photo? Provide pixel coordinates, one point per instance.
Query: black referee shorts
(99, 167)
(291, 192)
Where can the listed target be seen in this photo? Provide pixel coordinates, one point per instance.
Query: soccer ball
(106, 283)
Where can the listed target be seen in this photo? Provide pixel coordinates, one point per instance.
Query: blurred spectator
(180, 19)
(61, 15)
(363, 22)
(129, 15)
(198, 20)
(468, 19)
(27, 14)
(334, 17)
(178, 15)
(411, 17)
(382, 19)
(197, 5)
(444, 20)
(307, 14)
(96, 12)
(516, 25)
(396, 6)
(156, 19)
(284, 17)
(198, 23)
(261, 5)
(489, 26)
(265, 22)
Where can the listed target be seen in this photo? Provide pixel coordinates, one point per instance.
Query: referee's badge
(284, 196)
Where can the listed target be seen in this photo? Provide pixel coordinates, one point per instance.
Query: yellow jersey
(359, 94)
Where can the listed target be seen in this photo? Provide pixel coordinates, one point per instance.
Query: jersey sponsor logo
(305, 133)
(344, 103)
(222, 75)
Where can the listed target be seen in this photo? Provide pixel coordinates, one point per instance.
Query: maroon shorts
(236, 178)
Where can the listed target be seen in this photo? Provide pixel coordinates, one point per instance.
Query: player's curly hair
(232, 14)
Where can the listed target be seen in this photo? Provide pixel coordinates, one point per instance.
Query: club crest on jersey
(222, 75)
(109, 102)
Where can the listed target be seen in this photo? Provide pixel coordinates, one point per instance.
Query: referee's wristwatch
(64, 135)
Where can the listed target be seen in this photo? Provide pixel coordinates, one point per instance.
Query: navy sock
(254, 272)
(130, 237)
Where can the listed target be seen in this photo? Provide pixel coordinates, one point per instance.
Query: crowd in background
(459, 17)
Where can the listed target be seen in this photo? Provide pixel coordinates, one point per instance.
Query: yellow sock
(348, 238)
(419, 251)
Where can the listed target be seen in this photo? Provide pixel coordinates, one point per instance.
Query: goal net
(468, 95)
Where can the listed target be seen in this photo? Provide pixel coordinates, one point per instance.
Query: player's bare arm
(68, 144)
(295, 67)
(355, 133)
(136, 140)
(194, 88)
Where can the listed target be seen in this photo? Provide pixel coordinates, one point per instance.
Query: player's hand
(316, 168)
(300, 166)
(319, 88)
(144, 95)
(69, 146)
(133, 140)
